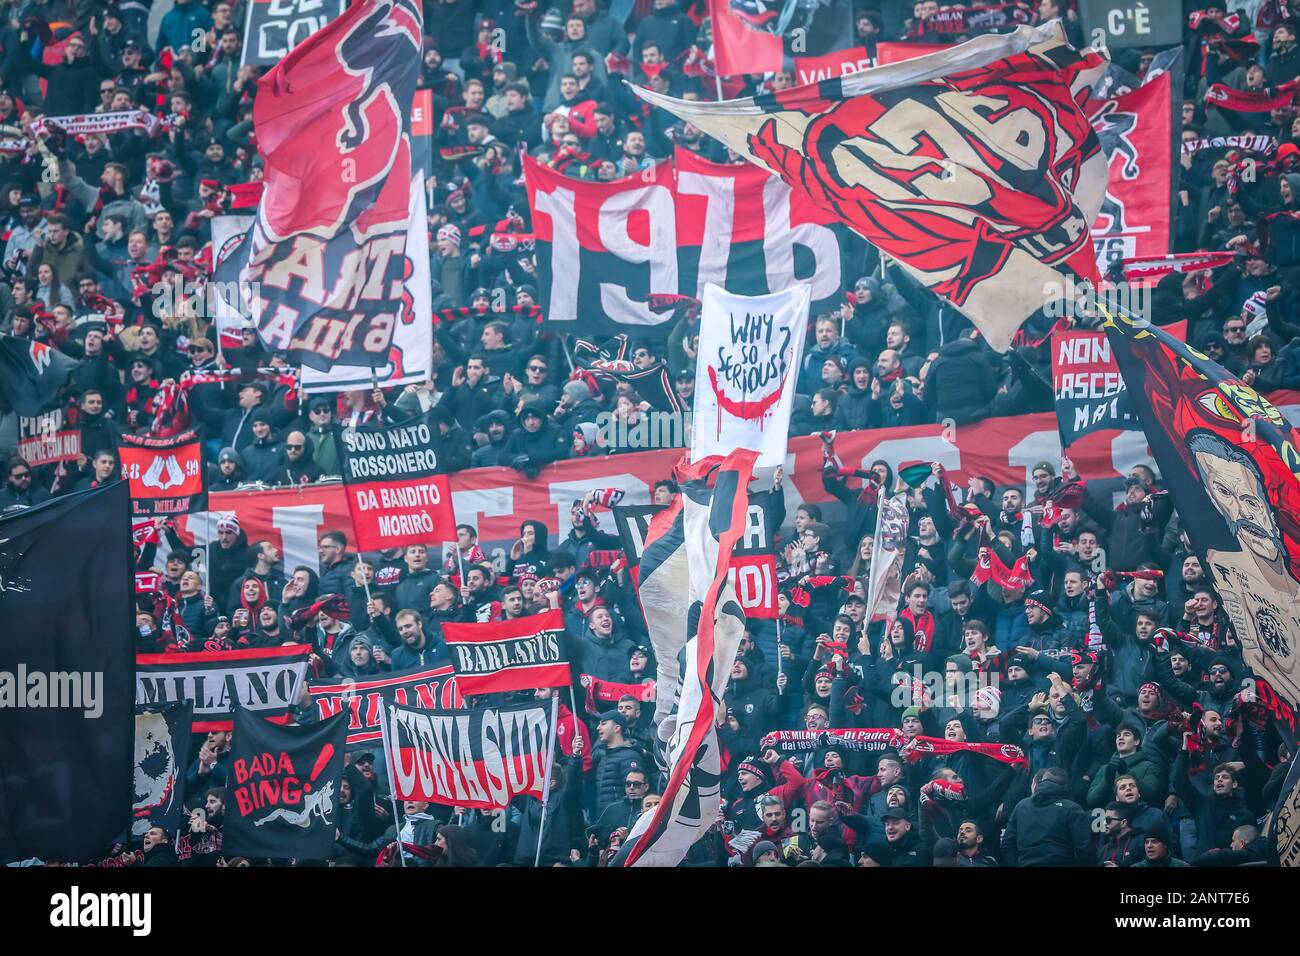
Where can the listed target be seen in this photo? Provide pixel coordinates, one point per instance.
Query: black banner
(274, 27)
(66, 717)
(283, 788)
(162, 755)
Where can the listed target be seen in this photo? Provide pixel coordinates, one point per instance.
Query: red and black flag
(481, 758)
(432, 688)
(517, 654)
(31, 374)
(990, 567)
(166, 475)
(609, 361)
(975, 167)
(395, 492)
(713, 508)
(283, 788)
(1228, 457)
(323, 267)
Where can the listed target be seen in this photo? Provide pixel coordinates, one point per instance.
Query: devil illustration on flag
(323, 268)
(975, 167)
(1230, 458)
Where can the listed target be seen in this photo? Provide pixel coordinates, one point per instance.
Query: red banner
(166, 475)
(1136, 134)
(496, 500)
(897, 52)
(394, 496)
(831, 66)
(608, 692)
(500, 656)
(45, 439)
(430, 689)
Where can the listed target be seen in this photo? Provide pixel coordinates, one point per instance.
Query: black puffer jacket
(610, 768)
(1048, 829)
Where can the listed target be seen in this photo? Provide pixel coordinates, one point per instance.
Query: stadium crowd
(1112, 665)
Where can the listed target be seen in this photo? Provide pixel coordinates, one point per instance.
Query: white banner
(749, 355)
(411, 354)
(886, 578)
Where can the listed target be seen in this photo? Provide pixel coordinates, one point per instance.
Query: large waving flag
(322, 270)
(1231, 460)
(975, 167)
(713, 521)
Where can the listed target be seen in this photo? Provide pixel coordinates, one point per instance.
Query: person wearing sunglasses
(20, 490)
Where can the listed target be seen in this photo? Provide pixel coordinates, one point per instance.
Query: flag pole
(779, 689)
(546, 784)
(392, 778)
(207, 551)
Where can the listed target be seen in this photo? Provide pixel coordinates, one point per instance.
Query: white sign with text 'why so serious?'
(747, 368)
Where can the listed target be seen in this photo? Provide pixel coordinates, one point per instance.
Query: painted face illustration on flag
(1223, 449)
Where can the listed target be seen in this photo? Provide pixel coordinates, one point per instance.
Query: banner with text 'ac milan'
(481, 758)
(166, 475)
(283, 787)
(364, 700)
(264, 680)
(517, 654)
(394, 492)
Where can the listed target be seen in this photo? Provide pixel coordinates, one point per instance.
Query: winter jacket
(610, 767)
(1048, 829)
(1147, 767)
(564, 830)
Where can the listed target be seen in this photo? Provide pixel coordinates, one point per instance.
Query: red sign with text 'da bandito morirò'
(393, 491)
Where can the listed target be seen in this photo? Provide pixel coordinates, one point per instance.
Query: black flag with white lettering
(66, 669)
(283, 788)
